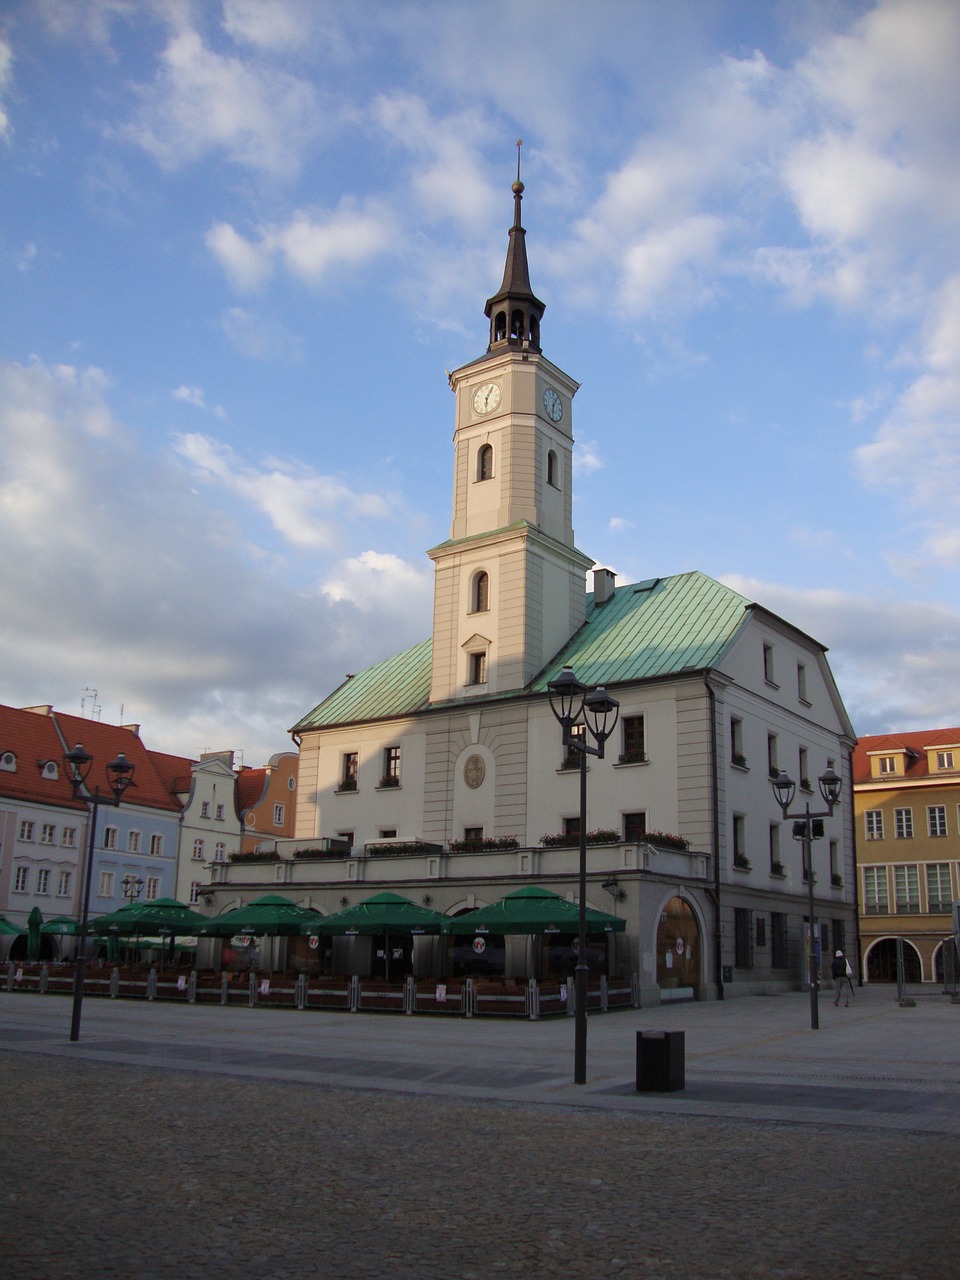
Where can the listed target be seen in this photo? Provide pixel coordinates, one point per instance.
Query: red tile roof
(251, 788)
(916, 744)
(33, 739)
(176, 771)
(104, 742)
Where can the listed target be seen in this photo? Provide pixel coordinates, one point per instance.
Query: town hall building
(439, 772)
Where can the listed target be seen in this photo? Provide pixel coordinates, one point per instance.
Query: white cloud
(896, 662)
(586, 457)
(6, 82)
(310, 247)
(258, 116)
(116, 574)
(308, 510)
(258, 337)
(197, 397)
(376, 581)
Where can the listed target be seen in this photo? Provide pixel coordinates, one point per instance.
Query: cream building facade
(439, 772)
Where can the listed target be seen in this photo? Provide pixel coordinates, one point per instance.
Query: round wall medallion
(474, 771)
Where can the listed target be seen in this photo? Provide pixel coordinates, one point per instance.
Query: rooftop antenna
(90, 709)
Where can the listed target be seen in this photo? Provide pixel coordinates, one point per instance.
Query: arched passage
(882, 962)
(678, 951)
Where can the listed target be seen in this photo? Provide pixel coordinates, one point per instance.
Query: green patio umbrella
(272, 915)
(10, 930)
(163, 916)
(533, 910)
(383, 913)
(34, 921)
(61, 925)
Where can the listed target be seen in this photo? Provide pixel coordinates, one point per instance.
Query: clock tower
(510, 584)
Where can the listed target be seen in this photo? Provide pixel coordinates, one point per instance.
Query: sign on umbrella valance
(272, 915)
(388, 913)
(533, 910)
(61, 925)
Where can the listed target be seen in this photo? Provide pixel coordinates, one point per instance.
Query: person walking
(842, 973)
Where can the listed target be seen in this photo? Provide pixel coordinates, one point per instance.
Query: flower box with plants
(664, 840)
(486, 844)
(563, 840)
(741, 862)
(777, 869)
(256, 855)
(347, 784)
(390, 780)
(739, 759)
(633, 756)
(400, 847)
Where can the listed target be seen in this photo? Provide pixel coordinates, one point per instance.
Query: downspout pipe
(715, 820)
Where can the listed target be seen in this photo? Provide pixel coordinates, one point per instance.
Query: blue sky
(241, 242)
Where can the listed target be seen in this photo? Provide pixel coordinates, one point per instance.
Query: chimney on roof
(44, 709)
(133, 728)
(604, 585)
(225, 756)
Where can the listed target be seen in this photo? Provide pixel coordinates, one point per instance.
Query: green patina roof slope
(645, 631)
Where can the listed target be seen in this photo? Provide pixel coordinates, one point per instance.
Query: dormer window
(888, 764)
(944, 759)
(485, 462)
(49, 770)
(8, 762)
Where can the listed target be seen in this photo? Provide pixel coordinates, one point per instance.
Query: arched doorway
(882, 962)
(678, 951)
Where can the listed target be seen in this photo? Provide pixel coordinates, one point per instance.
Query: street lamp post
(595, 712)
(784, 788)
(119, 777)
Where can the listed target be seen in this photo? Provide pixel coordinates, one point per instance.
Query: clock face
(487, 397)
(553, 405)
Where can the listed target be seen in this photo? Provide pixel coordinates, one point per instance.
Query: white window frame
(278, 813)
(876, 890)
(873, 824)
(133, 841)
(68, 837)
(198, 849)
(26, 831)
(110, 838)
(152, 891)
(105, 885)
(63, 884)
(936, 820)
(937, 876)
(903, 824)
(43, 882)
(48, 833)
(220, 851)
(156, 845)
(21, 880)
(906, 888)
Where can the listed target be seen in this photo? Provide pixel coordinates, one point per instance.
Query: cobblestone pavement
(122, 1173)
(123, 1170)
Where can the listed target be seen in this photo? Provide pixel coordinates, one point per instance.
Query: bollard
(660, 1061)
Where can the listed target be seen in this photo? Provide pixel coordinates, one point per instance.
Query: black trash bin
(660, 1061)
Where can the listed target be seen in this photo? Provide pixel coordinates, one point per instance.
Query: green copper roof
(646, 630)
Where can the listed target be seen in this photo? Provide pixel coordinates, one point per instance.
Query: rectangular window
(48, 833)
(105, 886)
(571, 827)
(634, 740)
(391, 767)
(939, 894)
(836, 875)
(153, 889)
(194, 892)
(740, 841)
(937, 819)
(634, 827)
(388, 833)
(742, 937)
(348, 774)
(903, 823)
(804, 770)
(768, 664)
(133, 842)
(68, 837)
(110, 837)
(888, 764)
(220, 851)
(347, 837)
(776, 864)
(875, 898)
(220, 813)
(839, 936)
(156, 846)
(63, 884)
(43, 880)
(205, 809)
(873, 821)
(736, 742)
(26, 830)
(198, 850)
(778, 940)
(278, 815)
(761, 931)
(474, 834)
(21, 880)
(773, 768)
(944, 759)
(572, 756)
(906, 886)
(478, 668)
(802, 682)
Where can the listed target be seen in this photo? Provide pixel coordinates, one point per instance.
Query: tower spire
(515, 311)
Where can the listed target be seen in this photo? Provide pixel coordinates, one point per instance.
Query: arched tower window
(481, 592)
(485, 462)
(500, 326)
(553, 472)
(517, 327)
